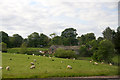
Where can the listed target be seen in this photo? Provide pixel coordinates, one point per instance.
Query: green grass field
(45, 67)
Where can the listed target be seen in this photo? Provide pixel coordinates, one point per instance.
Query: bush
(105, 51)
(83, 52)
(3, 47)
(23, 48)
(61, 53)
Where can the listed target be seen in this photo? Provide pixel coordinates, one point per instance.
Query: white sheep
(32, 63)
(110, 64)
(43, 55)
(95, 63)
(7, 68)
(102, 62)
(34, 60)
(69, 67)
(33, 66)
(90, 61)
(33, 54)
(1, 68)
(73, 58)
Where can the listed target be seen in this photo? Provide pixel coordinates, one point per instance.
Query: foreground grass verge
(45, 67)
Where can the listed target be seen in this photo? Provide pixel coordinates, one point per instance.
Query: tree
(33, 40)
(17, 40)
(100, 39)
(86, 38)
(116, 40)
(44, 40)
(69, 35)
(108, 34)
(57, 40)
(105, 51)
(4, 37)
(53, 35)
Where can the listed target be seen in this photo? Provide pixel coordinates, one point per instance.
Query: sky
(24, 17)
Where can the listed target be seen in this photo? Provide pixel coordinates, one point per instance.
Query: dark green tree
(69, 36)
(108, 34)
(56, 41)
(17, 40)
(4, 38)
(105, 51)
(116, 40)
(33, 40)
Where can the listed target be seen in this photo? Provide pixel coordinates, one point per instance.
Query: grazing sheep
(69, 67)
(96, 63)
(33, 66)
(90, 61)
(110, 64)
(33, 54)
(34, 60)
(73, 58)
(102, 62)
(43, 55)
(7, 68)
(32, 63)
(1, 68)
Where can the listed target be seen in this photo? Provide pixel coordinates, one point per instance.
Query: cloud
(27, 16)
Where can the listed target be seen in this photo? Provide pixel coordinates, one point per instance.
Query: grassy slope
(45, 67)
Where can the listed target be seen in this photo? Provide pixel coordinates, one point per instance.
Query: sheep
(102, 62)
(7, 68)
(33, 66)
(33, 54)
(90, 61)
(110, 64)
(1, 67)
(69, 67)
(34, 60)
(73, 58)
(96, 63)
(43, 55)
(32, 63)
(61, 61)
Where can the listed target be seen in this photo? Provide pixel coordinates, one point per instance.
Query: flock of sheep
(68, 66)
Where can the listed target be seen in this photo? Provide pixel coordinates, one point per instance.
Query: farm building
(53, 48)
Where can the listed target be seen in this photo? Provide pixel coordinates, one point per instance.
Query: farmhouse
(53, 48)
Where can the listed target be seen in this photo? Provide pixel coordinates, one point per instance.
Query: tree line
(68, 37)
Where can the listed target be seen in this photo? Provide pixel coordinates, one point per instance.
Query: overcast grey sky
(47, 16)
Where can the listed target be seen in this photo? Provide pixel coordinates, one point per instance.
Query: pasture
(47, 67)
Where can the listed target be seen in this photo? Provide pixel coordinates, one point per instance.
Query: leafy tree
(86, 38)
(100, 39)
(3, 47)
(105, 51)
(17, 40)
(53, 35)
(33, 40)
(4, 37)
(83, 52)
(44, 40)
(108, 34)
(56, 41)
(116, 40)
(69, 36)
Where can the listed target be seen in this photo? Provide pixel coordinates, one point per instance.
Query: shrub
(105, 51)
(23, 48)
(83, 52)
(61, 53)
(3, 47)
